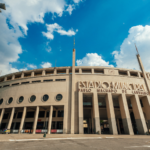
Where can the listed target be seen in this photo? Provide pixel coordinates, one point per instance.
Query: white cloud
(24, 11)
(49, 49)
(57, 28)
(92, 59)
(126, 57)
(77, 1)
(20, 13)
(46, 65)
(32, 66)
(70, 9)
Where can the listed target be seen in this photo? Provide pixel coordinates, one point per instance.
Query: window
(59, 124)
(1, 101)
(19, 115)
(15, 84)
(54, 113)
(100, 71)
(32, 98)
(45, 97)
(134, 74)
(14, 115)
(59, 97)
(47, 115)
(47, 80)
(123, 72)
(60, 79)
(60, 113)
(5, 85)
(6, 115)
(30, 114)
(141, 103)
(24, 82)
(53, 125)
(86, 71)
(21, 98)
(36, 81)
(10, 100)
(41, 114)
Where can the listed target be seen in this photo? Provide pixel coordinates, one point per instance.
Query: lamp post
(2, 6)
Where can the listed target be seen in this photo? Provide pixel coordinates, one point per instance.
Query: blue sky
(37, 33)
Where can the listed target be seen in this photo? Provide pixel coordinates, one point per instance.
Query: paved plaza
(73, 142)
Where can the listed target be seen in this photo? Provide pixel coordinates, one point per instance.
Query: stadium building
(76, 100)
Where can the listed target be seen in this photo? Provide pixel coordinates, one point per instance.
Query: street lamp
(2, 6)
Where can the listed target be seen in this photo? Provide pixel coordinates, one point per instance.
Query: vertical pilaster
(128, 72)
(111, 114)
(96, 113)
(73, 94)
(22, 119)
(1, 117)
(125, 115)
(43, 73)
(92, 70)
(50, 119)
(13, 77)
(32, 74)
(11, 118)
(35, 119)
(45, 119)
(80, 102)
(22, 75)
(138, 114)
(65, 120)
(146, 104)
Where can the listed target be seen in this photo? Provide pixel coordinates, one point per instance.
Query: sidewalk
(28, 137)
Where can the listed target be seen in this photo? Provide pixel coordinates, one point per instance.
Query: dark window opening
(14, 115)
(25, 82)
(70, 71)
(60, 79)
(1, 79)
(6, 115)
(123, 72)
(61, 71)
(36, 81)
(54, 113)
(47, 114)
(76, 70)
(133, 74)
(49, 72)
(30, 114)
(9, 77)
(38, 73)
(100, 71)
(60, 113)
(59, 124)
(86, 71)
(47, 80)
(15, 84)
(27, 74)
(141, 103)
(0, 86)
(41, 114)
(5, 85)
(53, 125)
(19, 115)
(141, 75)
(17, 76)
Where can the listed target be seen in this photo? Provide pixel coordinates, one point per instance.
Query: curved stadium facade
(76, 100)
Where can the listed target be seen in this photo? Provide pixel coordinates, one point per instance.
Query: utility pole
(2, 6)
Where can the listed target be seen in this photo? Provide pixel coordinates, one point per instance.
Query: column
(146, 105)
(65, 120)
(92, 70)
(35, 119)
(32, 74)
(45, 120)
(80, 98)
(96, 113)
(11, 118)
(43, 73)
(126, 120)
(138, 114)
(50, 119)
(22, 75)
(128, 72)
(1, 117)
(22, 119)
(118, 126)
(111, 114)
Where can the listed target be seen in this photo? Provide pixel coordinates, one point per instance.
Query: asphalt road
(78, 144)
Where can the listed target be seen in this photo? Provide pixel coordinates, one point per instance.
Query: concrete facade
(79, 100)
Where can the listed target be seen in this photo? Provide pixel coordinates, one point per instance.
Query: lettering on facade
(104, 86)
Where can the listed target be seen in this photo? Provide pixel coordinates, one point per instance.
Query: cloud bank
(126, 57)
(92, 59)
